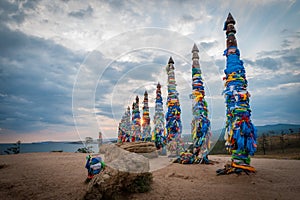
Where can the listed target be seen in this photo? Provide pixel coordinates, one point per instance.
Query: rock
(125, 173)
(147, 149)
(150, 155)
(123, 160)
(138, 147)
(114, 184)
(105, 176)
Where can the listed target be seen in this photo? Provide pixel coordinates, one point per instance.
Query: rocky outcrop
(114, 184)
(147, 149)
(122, 160)
(125, 173)
(138, 147)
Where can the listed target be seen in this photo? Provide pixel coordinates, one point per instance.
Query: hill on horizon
(273, 129)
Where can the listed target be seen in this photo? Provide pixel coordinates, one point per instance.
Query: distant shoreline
(113, 140)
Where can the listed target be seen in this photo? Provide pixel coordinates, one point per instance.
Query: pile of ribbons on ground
(146, 135)
(136, 121)
(240, 133)
(173, 120)
(158, 135)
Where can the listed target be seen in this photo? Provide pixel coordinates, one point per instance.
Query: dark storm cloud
(286, 43)
(208, 45)
(161, 60)
(264, 106)
(292, 57)
(281, 59)
(290, 39)
(287, 64)
(221, 64)
(30, 4)
(283, 31)
(112, 77)
(267, 62)
(263, 83)
(109, 111)
(147, 66)
(116, 4)
(13, 12)
(10, 12)
(82, 13)
(187, 18)
(118, 74)
(36, 81)
(274, 92)
(270, 53)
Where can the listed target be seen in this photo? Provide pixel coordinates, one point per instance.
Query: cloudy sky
(69, 69)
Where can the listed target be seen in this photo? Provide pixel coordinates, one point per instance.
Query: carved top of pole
(195, 48)
(158, 86)
(230, 19)
(146, 97)
(137, 99)
(230, 31)
(195, 51)
(171, 60)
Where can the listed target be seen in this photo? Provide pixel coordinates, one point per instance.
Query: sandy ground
(62, 175)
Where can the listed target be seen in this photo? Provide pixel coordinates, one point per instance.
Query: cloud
(11, 12)
(281, 100)
(43, 43)
(187, 18)
(82, 13)
(286, 60)
(36, 82)
(208, 45)
(267, 62)
(273, 82)
(286, 43)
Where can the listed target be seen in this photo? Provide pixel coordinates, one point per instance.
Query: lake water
(48, 147)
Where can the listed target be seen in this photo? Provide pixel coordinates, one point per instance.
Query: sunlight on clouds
(41, 41)
(283, 89)
(107, 126)
(129, 58)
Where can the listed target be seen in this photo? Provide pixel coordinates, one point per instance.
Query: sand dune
(62, 175)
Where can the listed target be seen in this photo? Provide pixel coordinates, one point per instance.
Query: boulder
(150, 155)
(147, 149)
(114, 184)
(125, 173)
(123, 160)
(138, 147)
